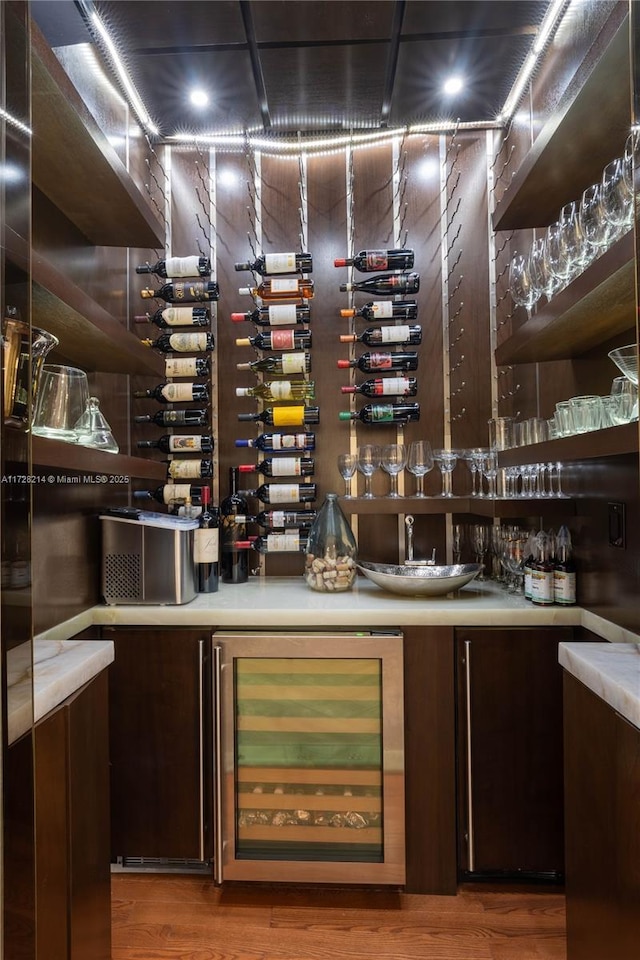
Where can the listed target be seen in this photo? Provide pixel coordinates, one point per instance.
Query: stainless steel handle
(201, 736)
(217, 764)
(467, 687)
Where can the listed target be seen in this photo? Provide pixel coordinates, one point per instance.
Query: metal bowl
(420, 581)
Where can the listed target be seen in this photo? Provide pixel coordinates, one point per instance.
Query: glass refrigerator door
(311, 786)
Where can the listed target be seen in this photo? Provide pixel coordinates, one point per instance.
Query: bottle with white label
(180, 443)
(177, 367)
(183, 342)
(281, 442)
(171, 493)
(176, 392)
(177, 317)
(386, 387)
(281, 288)
(285, 363)
(281, 467)
(564, 570)
(284, 492)
(274, 390)
(171, 267)
(276, 315)
(542, 573)
(269, 263)
(289, 541)
(384, 310)
(189, 469)
(206, 547)
(375, 336)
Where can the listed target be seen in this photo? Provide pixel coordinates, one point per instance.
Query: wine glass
(446, 460)
(419, 462)
(392, 461)
(347, 465)
(490, 471)
(368, 462)
(544, 282)
(523, 291)
(457, 539)
(617, 200)
(480, 543)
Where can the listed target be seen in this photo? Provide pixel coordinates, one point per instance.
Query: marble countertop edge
(611, 671)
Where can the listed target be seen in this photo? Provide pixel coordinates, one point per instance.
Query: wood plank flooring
(168, 917)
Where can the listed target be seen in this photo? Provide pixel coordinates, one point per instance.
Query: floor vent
(160, 865)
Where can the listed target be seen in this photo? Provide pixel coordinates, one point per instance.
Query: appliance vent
(159, 865)
(122, 576)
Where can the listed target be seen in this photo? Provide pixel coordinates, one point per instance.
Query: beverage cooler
(309, 757)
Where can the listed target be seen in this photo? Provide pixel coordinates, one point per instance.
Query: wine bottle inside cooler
(385, 387)
(386, 284)
(270, 263)
(384, 310)
(368, 261)
(284, 492)
(383, 413)
(184, 291)
(177, 317)
(379, 361)
(176, 392)
(172, 267)
(206, 547)
(281, 442)
(379, 336)
(182, 342)
(290, 541)
(278, 340)
(281, 467)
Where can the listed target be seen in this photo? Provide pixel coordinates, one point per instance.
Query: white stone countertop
(610, 670)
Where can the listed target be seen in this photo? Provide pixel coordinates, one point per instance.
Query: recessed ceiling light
(199, 98)
(452, 85)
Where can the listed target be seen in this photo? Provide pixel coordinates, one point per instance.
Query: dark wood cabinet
(73, 881)
(160, 744)
(509, 721)
(602, 799)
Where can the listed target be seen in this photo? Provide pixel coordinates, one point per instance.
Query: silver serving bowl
(420, 581)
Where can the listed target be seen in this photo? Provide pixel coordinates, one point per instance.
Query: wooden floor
(160, 917)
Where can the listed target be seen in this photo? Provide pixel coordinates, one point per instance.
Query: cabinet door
(510, 751)
(160, 744)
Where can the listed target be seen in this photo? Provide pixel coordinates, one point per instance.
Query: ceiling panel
(313, 20)
(141, 25)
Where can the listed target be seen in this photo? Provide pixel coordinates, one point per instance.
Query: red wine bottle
(177, 317)
(289, 416)
(372, 362)
(281, 467)
(184, 291)
(175, 418)
(186, 367)
(278, 340)
(176, 392)
(374, 336)
(284, 492)
(383, 413)
(206, 547)
(281, 288)
(386, 283)
(178, 267)
(288, 542)
(384, 310)
(180, 443)
(368, 261)
(189, 469)
(182, 342)
(270, 263)
(281, 442)
(281, 519)
(234, 563)
(170, 493)
(276, 315)
(386, 387)
(285, 363)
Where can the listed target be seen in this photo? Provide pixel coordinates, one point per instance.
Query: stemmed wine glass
(347, 465)
(419, 462)
(368, 462)
(523, 291)
(457, 539)
(393, 460)
(490, 471)
(480, 542)
(446, 460)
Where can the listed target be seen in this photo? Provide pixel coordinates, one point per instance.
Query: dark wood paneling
(19, 927)
(429, 760)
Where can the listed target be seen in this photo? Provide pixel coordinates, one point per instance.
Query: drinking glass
(544, 282)
(564, 419)
(420, 462)
(347, 465)
(63, 397)
(392, 461)
(446, 460)
(626, 394)
(368, 462)
(586, 412)
(523, 291)
(501, 433)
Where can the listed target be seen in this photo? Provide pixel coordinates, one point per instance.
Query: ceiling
(288, 65)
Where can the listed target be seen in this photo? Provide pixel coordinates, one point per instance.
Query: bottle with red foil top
(281, 288)
(377, 336)
(368, 261)
(278, 340)
(384, 310)
(290, 443)
(371, 362)
(206, 546)
(289, 541)
(270, 263)
(276, 315)
(386, 284)
(386, 387)
(284, 492)
(281, 467)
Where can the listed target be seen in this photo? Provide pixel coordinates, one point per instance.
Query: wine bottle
(288, 542)
(176, 392)
(179, 443)
(542, 573)
(268, 263)
(372, 336)
(372, 362)
(281, 467)
(234, 563)
(184, 291)
(189, 469)
(178, 267)
(276, 315)
(278, 340)
(368, 261)
(383, 413)
(281, 442)
(386, 283)
(206, 547)
(186, 367)
(564, 570)
(177, 317)
(182, 342)
(170, 493)
(274, 390)
(384, 310)
(284, 492)
(175, 418)
(386, 387)
(285, 363)
(291, 416)
(281, 519)
(281, 288)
